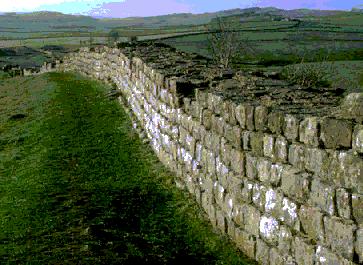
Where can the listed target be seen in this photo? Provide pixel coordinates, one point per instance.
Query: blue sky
(125, 8)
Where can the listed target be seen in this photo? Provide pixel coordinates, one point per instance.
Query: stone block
(297, 155)
(340, 236)
(196, 110)
(207, 118)
(258, 196)
(250, 124)
(304, 251)
(295, 184)
(246, 243)
(343, 198)
(325, 256)
(281, 149)
(358, 139)
(251, 217)
(276, 122)
(262, 252)
(234, 135)
(273, 202)
(276, 258)
(226, 152)
(336, 133)
(358, 244)
(251, 166)
(256, 139)
(312, 222)
(322, 196)
(269, 229)
(246, 143)
(218, 125)
(231, 227)
(315, 159)
(221, 221)
(291, 127)
(201, 97)
(357, 208)
(215, 103)
(238, 162)
(260, 117)
(350, 172)
(352, 107)
(229, 114)
(285, 240)
(240, 112)
(263, 169)
(246, 193)
(309, 130)
(268, 146)
(289, 213)
(276, 173)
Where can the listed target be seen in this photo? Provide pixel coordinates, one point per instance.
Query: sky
(127, 8)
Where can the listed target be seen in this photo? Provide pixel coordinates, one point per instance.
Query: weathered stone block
(196, 110)
(336, 133)
(315, 159)
(291, 127)
(281, 149)
(263, 169)
(260, 117)
(285, 240)
(308, 130)
(221, 221)
(258, 196)
(358, 245)
(234, 135)
(273, 202)
(256, 139)
(231, 227)
(350, 173)
(246, 242)
(276, 258)
(269, 229)
(262, 252)
(268, 145)
(322, 196)
(240, 112)
(246, 143)
(251, 217)
(276, 122)
(250, 124)
(238, 162)
(226, 152)
(357, 208)
(358, 139)
(201, 97)
(343, 203)
(218, 125)
(304, 252)
(229, 112)
(325, 256)
(289, 213)
(352, 107)
(312, 222)
(297, 155)
(251, 166)
(276, 173)
(246, 193)
(215, 103)
(295, 184)
(207, 118)
(340, 236)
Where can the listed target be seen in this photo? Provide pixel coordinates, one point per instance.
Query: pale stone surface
(294, 184)
(308, 131)
(291, 127)
(358, 139)
(343, 203)
(268, 145)
(269, 229)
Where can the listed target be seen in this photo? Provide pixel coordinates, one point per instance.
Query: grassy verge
(79, 187)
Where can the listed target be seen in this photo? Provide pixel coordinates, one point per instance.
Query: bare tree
(223, 43)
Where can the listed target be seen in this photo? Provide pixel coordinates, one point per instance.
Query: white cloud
(30, 5)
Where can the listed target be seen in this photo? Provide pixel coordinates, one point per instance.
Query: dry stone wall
(284, 181)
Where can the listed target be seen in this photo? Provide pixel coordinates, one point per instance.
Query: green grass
(79, 187)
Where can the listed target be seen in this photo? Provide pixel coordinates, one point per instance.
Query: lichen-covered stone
(314, 159)
(358, 139)
(246, 193)
(262, 252)
(289, 213)
(276, 173)
(251, 217)
(297, 155)
(295, 184)
(250, 124)
(352, 107)
(357, 208)
(343, 199)
(273, 200)
(234, 135)
(268, 145)
(275, 257)
(202, 97)
(221, 221)
(304, 252)
(281, 149)
(312, 222)
(291, 127)
(340, 236)
(241, 115)
(275, 122)
(263, 169)
(260, 117)
(324, 256)
(336, 133)
(251, 166)
(358, 244)
(246, 242)
(256, 139)
(238, 162)
(350, 172)
(308, 131)
(285, 240)
(246, 143)
(322, 196)
(258, 196)
(226, 152)
(269, 229)
(207, 118)
(215, 103)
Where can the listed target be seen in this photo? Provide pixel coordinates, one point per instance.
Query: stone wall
(276, 167)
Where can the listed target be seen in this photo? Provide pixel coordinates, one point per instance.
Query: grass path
(77, 186)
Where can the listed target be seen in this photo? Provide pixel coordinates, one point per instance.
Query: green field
(79, 187)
